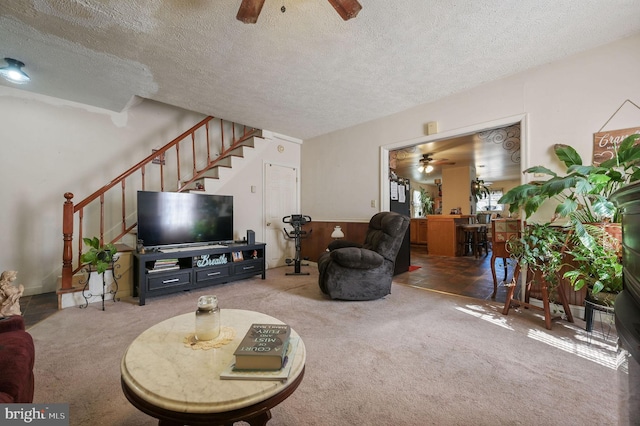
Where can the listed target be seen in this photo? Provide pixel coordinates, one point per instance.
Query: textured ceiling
(303, 73)
(495, 155)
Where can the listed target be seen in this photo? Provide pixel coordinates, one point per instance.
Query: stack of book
(265, 353)
(164, 265)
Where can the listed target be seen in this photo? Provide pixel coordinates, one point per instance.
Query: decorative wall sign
(604, 142)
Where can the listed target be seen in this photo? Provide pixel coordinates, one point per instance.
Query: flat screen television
(184, 219)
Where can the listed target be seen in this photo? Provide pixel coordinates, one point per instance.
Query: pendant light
(426, 169)
(13, 72)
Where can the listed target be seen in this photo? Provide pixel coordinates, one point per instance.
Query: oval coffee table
(178, 385)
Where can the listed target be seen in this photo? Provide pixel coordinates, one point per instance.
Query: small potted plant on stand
(539, 252)
(98, 258)
(599, 256)
(539, 249)
(596, 265)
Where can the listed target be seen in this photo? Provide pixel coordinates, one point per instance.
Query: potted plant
(479, 190)
(426, 202)
(583, 194)
(598, 257)
(98, 256)
(539, 249)
(584, 191)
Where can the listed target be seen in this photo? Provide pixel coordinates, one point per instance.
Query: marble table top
(160, 369)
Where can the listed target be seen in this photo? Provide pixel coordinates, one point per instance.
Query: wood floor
(466, 275)
(38, 307)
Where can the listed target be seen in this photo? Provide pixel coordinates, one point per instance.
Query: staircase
(188, 162)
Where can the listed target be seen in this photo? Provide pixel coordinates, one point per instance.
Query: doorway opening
(452, 144)
(420, 253)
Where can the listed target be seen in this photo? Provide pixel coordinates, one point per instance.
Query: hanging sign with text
(604, 143)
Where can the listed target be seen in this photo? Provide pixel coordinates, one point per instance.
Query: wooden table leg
(493, 273)
(565, 303)
(494, 257)
(474, 243)
(504, 264)
(546, 307)
(511, 290)
(260, 420)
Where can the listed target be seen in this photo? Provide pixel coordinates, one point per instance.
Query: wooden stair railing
(70, 210)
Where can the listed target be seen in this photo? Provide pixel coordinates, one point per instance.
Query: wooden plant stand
(546, 308)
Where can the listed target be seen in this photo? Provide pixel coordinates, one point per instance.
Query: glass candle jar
(207, 318)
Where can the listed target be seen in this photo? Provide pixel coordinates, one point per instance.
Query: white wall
(565, 102)
(248, 212)
(456, 190)
(52, 146)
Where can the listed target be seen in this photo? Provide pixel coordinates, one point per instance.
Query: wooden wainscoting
(319, 236)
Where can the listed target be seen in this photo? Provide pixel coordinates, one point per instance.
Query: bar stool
(467, 241)
(482, 240)
(473, 239)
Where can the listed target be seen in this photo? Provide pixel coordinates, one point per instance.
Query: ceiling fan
(427, 162)
(250, 9)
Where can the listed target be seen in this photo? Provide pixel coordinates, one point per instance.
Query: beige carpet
(416, 357)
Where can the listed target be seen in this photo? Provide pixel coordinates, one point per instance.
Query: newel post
(67, 236)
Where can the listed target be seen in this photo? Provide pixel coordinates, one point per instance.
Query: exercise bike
(296, 221)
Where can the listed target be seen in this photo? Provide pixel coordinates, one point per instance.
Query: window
(416, 201)
(490, 203)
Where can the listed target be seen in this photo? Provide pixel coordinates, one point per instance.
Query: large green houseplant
(584, 190)
(583, 196)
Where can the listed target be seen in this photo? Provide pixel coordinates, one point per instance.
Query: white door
(281, 200)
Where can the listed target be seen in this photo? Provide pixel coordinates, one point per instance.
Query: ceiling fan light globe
(13, 71)
(428, 169)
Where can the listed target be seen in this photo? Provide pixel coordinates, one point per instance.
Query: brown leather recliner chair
(353, 271)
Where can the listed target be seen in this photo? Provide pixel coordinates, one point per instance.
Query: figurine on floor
(9, 294)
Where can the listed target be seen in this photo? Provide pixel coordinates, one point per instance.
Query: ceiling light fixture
(13, 72)
(250, 9)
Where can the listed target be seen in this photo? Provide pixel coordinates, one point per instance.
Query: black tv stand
(163, 272)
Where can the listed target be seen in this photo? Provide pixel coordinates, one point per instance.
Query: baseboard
(576, 311)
